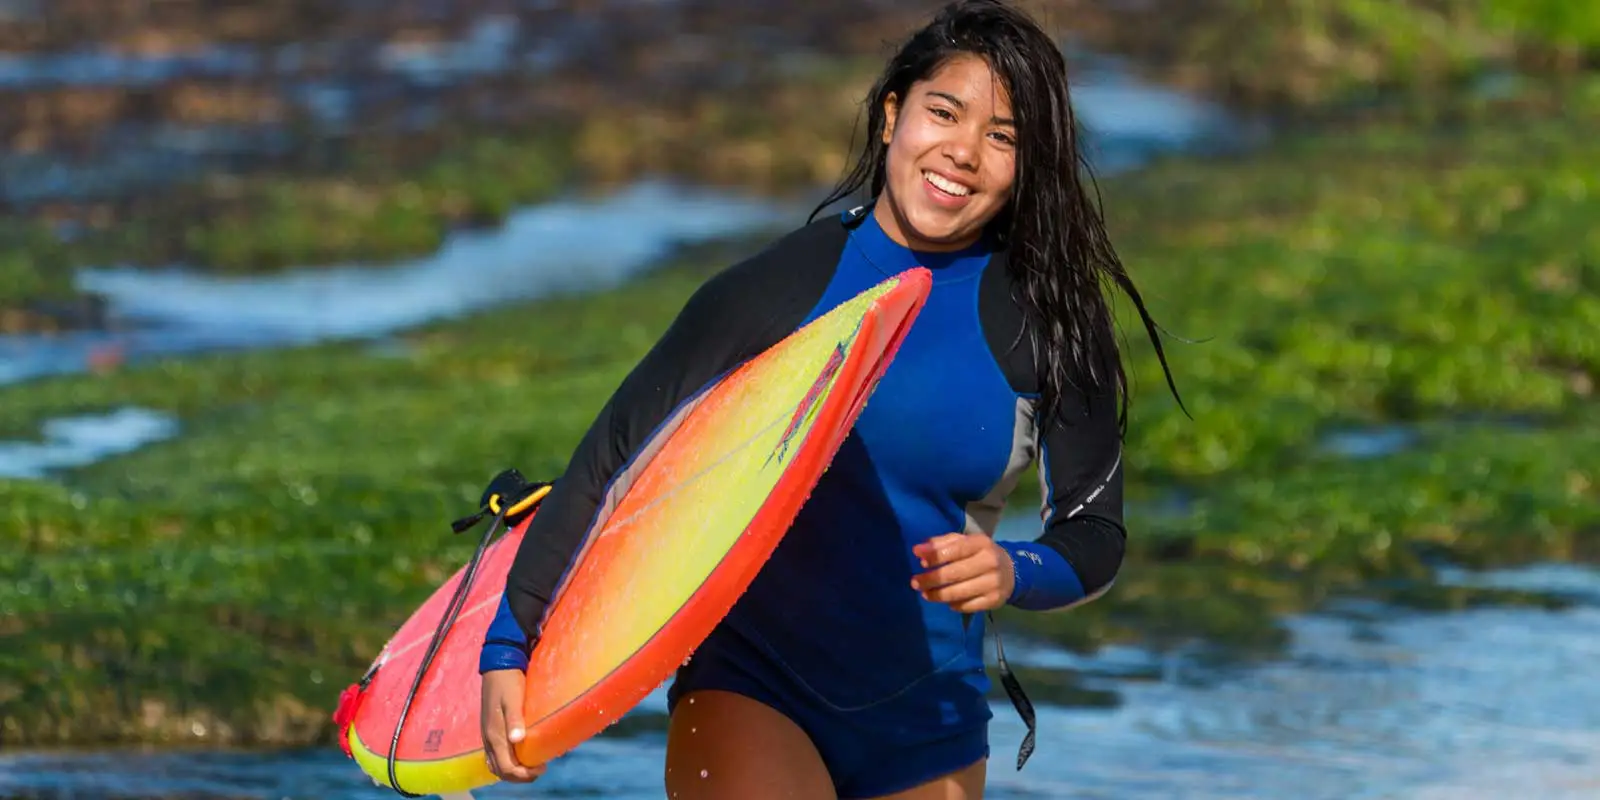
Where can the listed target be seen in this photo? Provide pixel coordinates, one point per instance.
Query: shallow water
(565, 246)
(76, 441)
(1369, 701)
(569, 246)
(1369, 442)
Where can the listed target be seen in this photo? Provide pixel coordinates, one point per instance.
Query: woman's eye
(943, 114)
(1004, 138)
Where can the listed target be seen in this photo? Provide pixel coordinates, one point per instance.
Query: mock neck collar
(891, 258)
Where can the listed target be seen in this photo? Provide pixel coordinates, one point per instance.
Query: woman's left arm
(1077, 556)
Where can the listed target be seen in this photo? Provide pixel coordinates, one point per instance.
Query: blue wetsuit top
(943, 441)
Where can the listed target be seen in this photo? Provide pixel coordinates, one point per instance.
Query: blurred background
(283, 282)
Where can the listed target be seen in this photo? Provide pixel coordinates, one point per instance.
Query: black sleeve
(1080, 475)
(733, 317)
(1080, 448)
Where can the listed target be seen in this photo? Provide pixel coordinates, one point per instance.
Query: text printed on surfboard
(808, 404)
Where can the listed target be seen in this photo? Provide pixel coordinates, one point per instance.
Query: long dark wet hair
(1060, 255)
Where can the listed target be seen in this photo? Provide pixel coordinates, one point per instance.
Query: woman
(852, 667)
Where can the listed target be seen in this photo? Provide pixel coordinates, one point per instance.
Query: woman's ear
(891, 109)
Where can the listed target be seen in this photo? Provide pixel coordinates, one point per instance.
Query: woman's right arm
(733, 317)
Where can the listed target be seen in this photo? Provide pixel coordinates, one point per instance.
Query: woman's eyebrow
(962, 105)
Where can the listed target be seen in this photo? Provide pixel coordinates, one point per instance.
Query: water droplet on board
(692, 730)
(705, 773)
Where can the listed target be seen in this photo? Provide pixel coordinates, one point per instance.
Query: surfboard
(657, 572)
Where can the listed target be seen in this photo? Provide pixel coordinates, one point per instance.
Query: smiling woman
(952, 157)
(853, 664)
(979, 102)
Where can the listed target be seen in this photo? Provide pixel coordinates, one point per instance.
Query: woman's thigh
(963, 784)
(725, 746)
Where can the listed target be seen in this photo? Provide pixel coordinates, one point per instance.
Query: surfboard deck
(441, 747)
(657, 572)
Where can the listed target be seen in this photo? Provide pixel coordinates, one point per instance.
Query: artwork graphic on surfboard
(656, 574)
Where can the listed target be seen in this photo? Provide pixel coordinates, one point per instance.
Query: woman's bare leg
(725, 746)
(963, 784)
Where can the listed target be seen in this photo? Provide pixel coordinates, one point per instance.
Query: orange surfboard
(656, 574)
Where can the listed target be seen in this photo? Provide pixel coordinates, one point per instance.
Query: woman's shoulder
(819, 240)
(1006, 325)
(777, 284)
(799, 261)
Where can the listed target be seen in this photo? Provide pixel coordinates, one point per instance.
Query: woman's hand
(502, 725)
(968, 572)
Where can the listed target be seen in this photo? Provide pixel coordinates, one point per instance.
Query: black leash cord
(1019, 700)
(456, 602)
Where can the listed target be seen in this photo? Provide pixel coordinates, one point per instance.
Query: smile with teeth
(946, 185)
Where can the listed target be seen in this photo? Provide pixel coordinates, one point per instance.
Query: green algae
(33, 273)
(1312, 54)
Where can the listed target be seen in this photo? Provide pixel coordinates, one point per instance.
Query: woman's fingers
(984, 587)
(502, 727)
(969, 573)
(955, 572)
(952, 561)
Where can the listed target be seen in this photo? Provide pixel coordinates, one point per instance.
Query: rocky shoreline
(211, 137)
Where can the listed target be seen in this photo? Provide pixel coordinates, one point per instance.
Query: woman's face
(951, 158)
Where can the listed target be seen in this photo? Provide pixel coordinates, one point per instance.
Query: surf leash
(1008, 679)
(1019, 700)
(1013, 687)
(509, 500)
